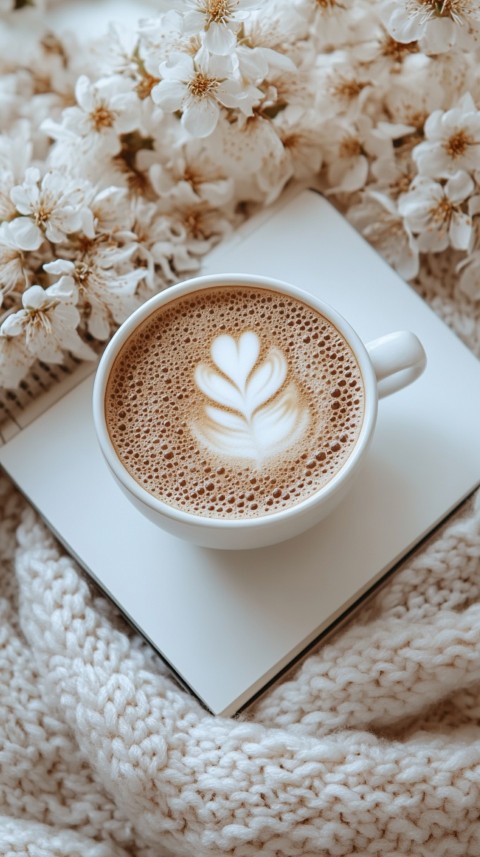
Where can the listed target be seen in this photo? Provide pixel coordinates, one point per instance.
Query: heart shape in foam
(236, 358)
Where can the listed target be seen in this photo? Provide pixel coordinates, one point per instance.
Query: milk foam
(234, 402)
(257, 419)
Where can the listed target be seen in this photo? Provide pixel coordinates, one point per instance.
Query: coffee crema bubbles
(234, 402)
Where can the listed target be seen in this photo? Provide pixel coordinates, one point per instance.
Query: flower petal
(459, 186)
(179, 66)
(460, 232)
(200, 118)
(23, 234)
(59, 266)
(219, 39)
(84, 93)
(169, 94)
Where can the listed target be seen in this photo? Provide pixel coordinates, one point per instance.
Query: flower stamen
(102, 117)
(457, 144)
(42, 214)
(347, 89)
(350, 147)
(453, 9)
(329, 5)
(201, 86)
(218, 11)
(397, 51)
(441, 213)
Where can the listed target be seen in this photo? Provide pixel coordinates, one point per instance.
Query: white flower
(55, 205)
(47, 322)
(452, 141)
(21, 234)
(382, 56)
(438, 25)
(7, 208)
(158, 38)
(219, 19)
(162, 246)
(257, 62)
(16, 150)
(15, 360)
(253, 154)
(13, 272)
(114, 51)
(339, 22)
(199, 87)
(378, 219)
(301, 142)
(111, 209)
(106, 282)
(15, 155)
(348, 146)
(393, 174)
(434, 212)
(11, 96)
(281, 36)
(106, 109)
(191, 176)
(342, 86)
(192, 231)
(420, 87)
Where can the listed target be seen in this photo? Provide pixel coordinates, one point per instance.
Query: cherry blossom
(15, 360)
(7, 208)
(13, 268)
(158, 39)
(337, 22)
(105, 281)
(348, 147)
(380, 222)
(111, 210)
(191, 176)
(220, 20)
(160, 238)
(343, 87)
(199, 86)
(47, 324)
(434, 212)
(452, 140)
(106, 109)
(16, 150)
(21, 233)
(54, 205)
(301, 142)
(438, 26)
(253, 155)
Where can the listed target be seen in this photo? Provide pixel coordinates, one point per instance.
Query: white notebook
(229, 621)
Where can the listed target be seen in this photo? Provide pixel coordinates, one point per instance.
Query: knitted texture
(371, 747)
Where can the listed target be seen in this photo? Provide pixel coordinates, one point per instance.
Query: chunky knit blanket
(371, 747)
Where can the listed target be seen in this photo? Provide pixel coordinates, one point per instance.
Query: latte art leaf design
(254, 416)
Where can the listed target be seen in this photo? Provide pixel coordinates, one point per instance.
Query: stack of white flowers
(123, 163)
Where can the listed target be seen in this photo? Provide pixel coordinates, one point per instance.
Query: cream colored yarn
(372, 747)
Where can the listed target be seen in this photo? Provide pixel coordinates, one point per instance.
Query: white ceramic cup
(387, 364)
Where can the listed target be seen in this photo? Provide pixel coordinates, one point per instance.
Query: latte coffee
(234, 402)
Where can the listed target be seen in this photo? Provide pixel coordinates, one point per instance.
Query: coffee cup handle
(398, 359)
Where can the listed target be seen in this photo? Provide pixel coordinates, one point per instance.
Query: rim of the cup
(201, 283)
